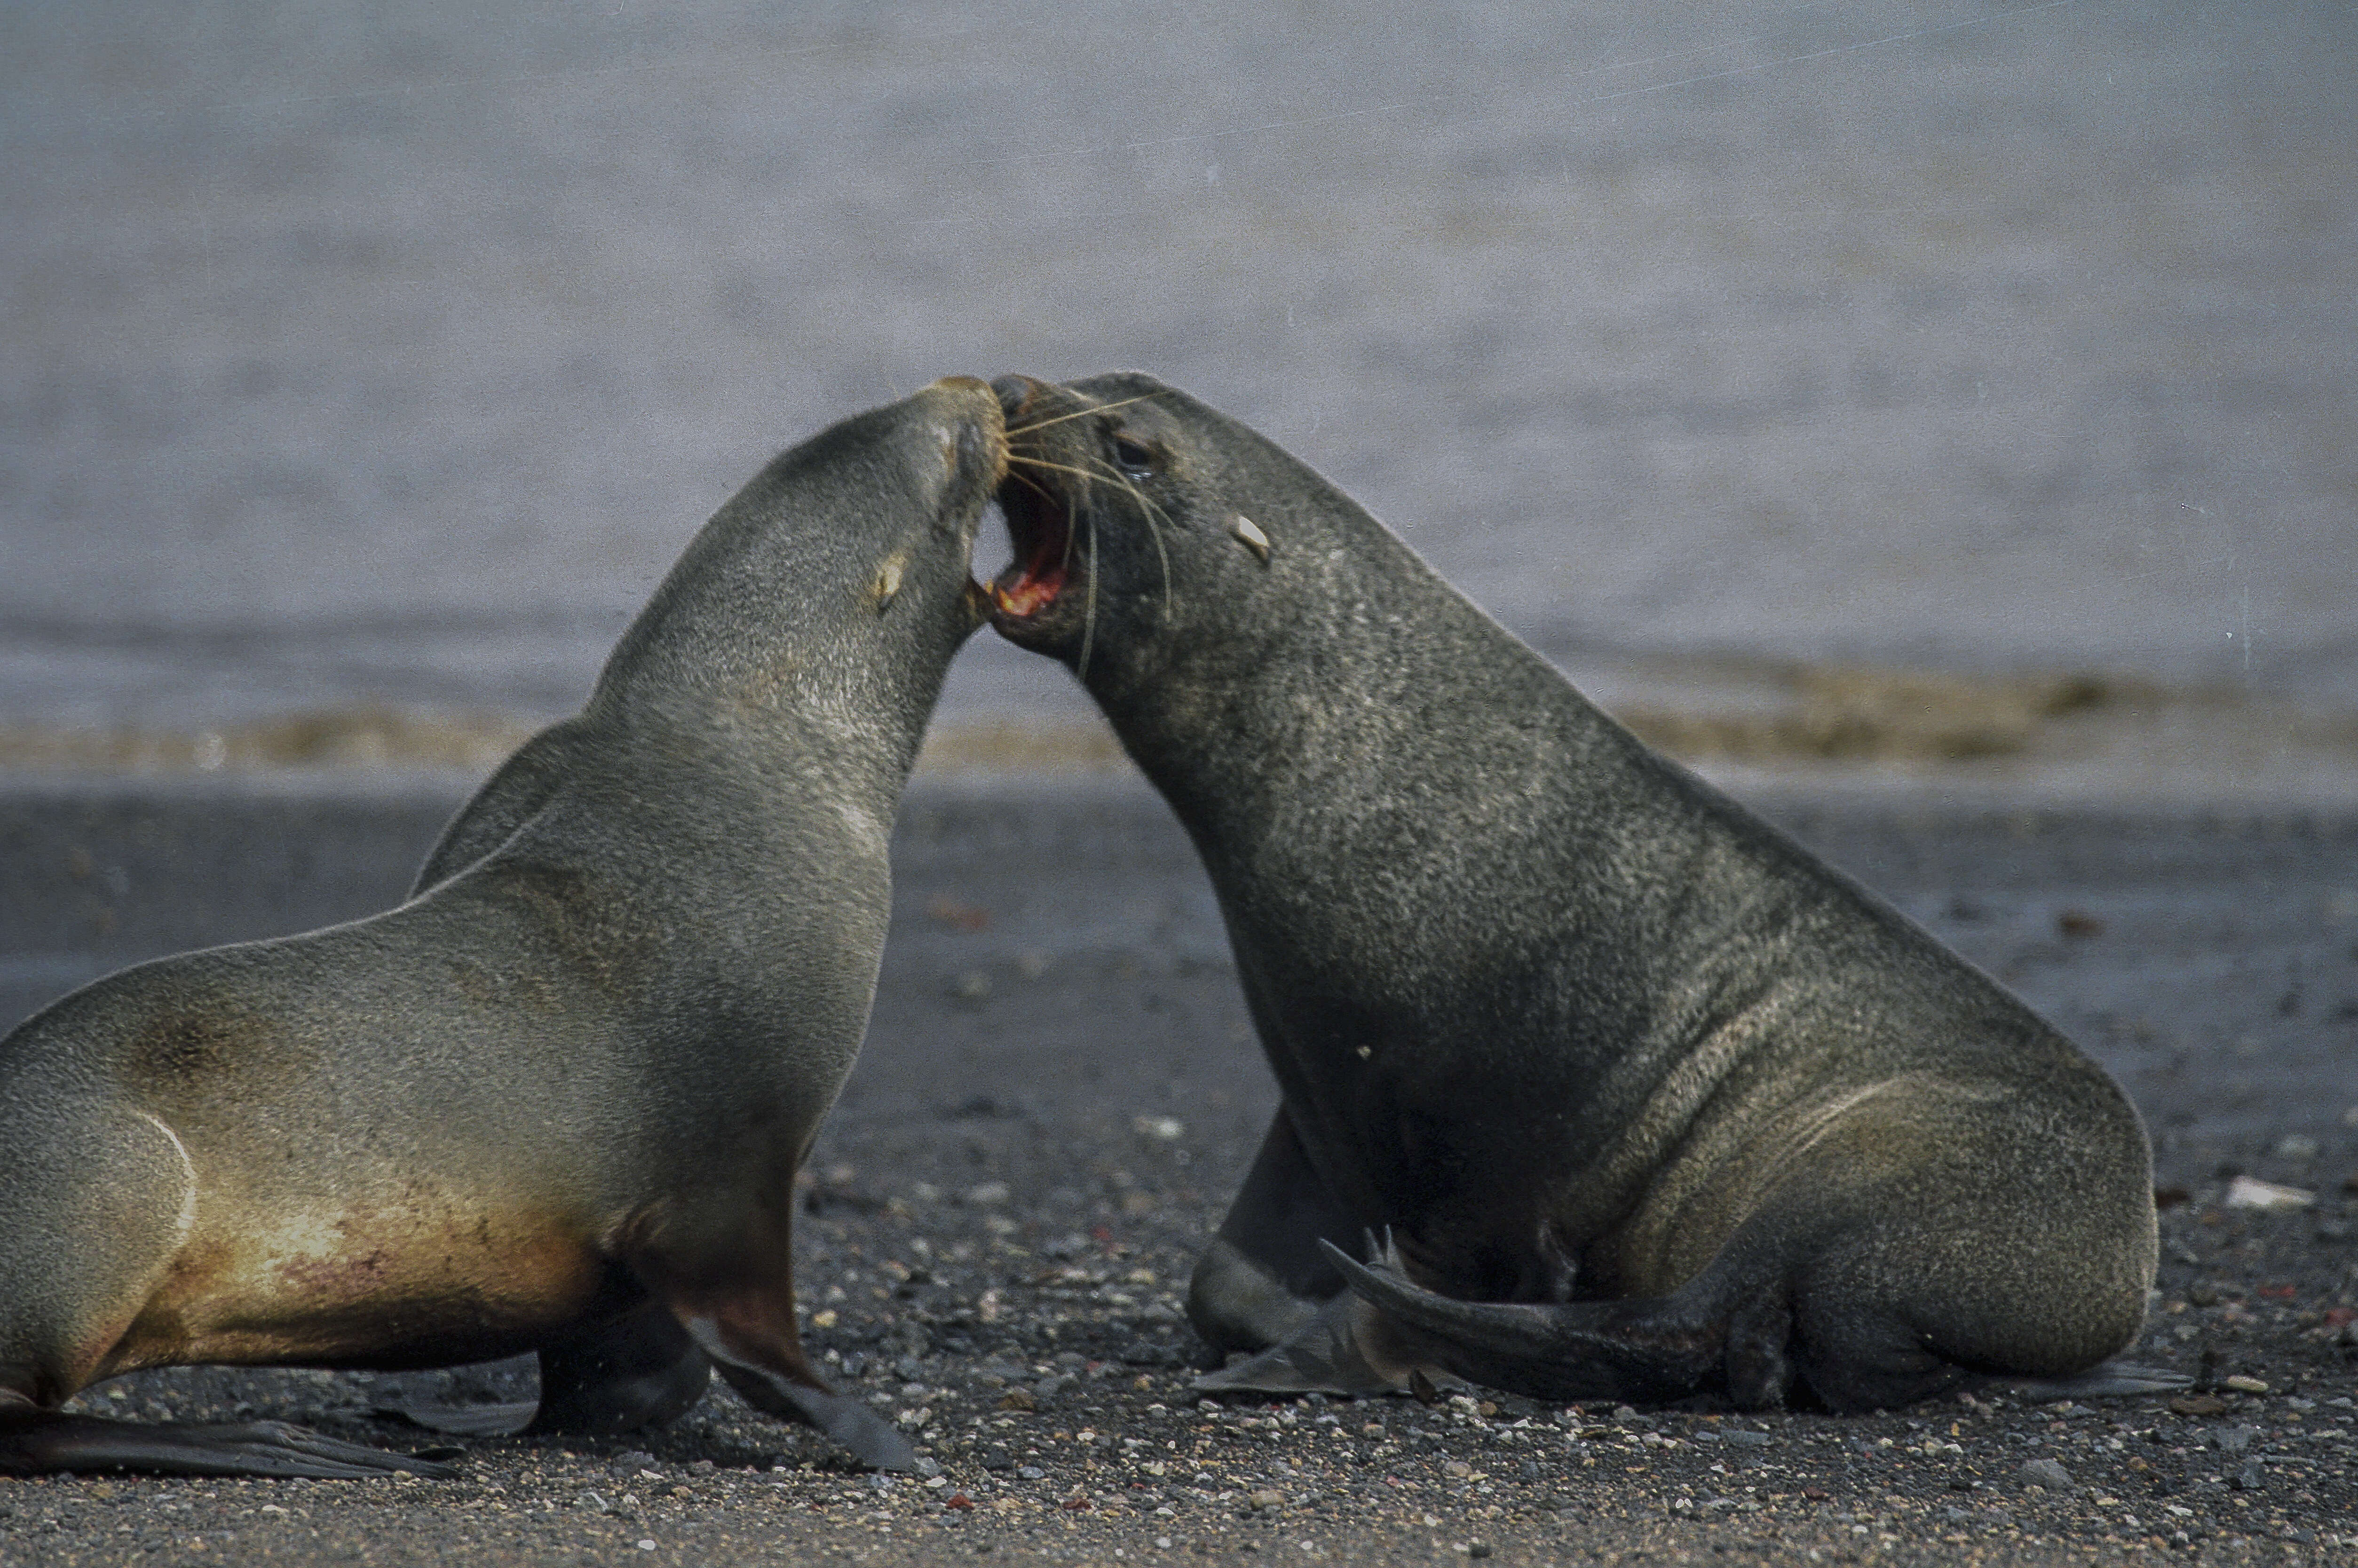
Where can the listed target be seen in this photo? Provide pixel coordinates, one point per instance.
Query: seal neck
(760, 642)
(1334, 700)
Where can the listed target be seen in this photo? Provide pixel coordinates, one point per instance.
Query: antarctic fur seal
(1646, 1098)
(556, 1101)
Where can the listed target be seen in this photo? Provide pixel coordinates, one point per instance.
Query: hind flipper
(1347, 1348)
(858, 1430)
(39, 1441)
(1650, 1349)
(461, 1421)
(2107, 1381)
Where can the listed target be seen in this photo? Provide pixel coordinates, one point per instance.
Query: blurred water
(391, 352)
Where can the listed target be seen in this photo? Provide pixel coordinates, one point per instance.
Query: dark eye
(1136, 461)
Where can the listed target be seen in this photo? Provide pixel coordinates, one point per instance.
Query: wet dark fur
(1594, 1044)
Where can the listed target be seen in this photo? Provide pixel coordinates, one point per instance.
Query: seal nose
(963, 397)
(1017, 394)
(957, 385)
(975, 442)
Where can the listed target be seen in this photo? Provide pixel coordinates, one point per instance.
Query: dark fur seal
(557, 1100)
(1647, 1098)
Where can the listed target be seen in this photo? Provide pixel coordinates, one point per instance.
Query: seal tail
(1580, 1350)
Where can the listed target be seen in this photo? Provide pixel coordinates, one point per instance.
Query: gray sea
(387, 355)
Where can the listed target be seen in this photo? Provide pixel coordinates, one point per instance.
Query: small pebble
(2047, 1473)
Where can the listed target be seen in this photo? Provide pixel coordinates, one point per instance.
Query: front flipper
(859, 1430)
(735, 1298)
(39, 1441)
(1578, 1350)
(1261, 1281)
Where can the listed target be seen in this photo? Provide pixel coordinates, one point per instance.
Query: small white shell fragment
(1250, 534)
(2250, 1192)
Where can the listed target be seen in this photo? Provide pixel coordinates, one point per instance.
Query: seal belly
(423, 1277)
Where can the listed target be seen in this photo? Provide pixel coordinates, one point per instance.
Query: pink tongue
(1031, 594)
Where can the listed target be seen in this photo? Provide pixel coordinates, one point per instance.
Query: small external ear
(1249, 536)
(887, 580)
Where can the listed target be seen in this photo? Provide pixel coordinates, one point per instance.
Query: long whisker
(1080, 414)
(1089, 609)
(1107, 471)
(1044, 494)
(1060, 468)
(1086, 478)
(1050, 497)
(1149, 512)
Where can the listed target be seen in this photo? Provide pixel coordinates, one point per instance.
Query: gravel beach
(1058, 1094)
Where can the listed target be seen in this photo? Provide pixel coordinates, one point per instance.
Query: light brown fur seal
(557, 1100)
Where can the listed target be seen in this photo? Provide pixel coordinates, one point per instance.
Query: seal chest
(1635, 1095)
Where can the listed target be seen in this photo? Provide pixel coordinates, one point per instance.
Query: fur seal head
(865, 531)
(1143, 521)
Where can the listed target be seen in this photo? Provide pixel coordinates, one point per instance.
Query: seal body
(1647, 1097)
(556, 1101)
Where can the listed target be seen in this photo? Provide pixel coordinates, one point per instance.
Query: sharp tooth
(1250, 534)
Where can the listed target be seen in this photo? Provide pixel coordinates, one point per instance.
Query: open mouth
(1042, 532)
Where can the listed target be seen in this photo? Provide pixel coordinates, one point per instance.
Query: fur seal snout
(1638, 1096)
(555, 1101)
